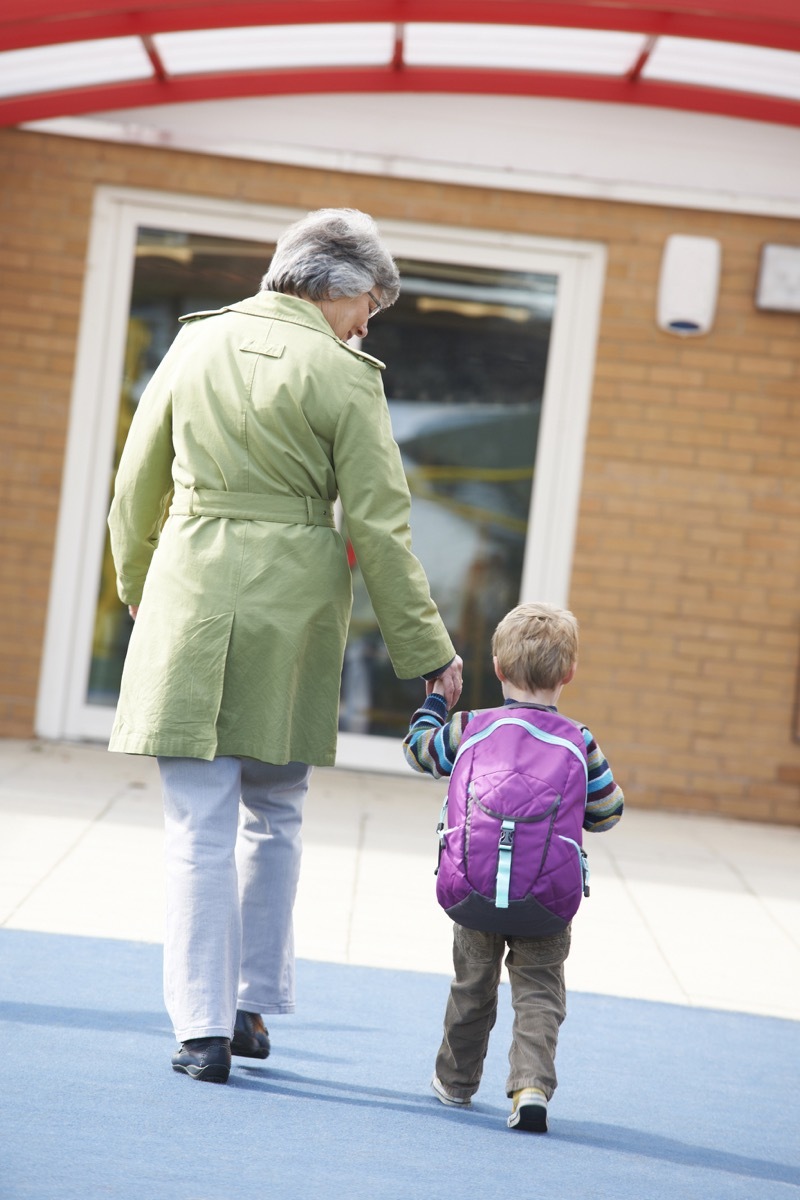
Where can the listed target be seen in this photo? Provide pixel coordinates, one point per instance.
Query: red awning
(729, 57)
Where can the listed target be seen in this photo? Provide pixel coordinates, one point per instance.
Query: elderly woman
(259, 416)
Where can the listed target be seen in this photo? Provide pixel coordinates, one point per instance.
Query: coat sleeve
(143, 485)
(377, 506)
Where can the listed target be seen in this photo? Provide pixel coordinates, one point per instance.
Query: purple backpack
(510, 854)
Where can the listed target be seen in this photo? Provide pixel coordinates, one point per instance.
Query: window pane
(466, 352)
(174, 273)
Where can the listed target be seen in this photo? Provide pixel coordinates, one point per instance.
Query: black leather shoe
(208, 1059)
(250, 1038)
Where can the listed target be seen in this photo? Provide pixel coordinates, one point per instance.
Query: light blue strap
(533, 730)
(583, 859)
(504, 864)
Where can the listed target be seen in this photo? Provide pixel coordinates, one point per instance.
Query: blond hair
(536, 645)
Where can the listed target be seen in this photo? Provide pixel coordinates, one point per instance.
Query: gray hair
(331, 253)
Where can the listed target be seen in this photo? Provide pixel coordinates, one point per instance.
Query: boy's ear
(497, 670)
(570, 675)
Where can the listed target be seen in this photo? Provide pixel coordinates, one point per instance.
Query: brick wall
(686, 575)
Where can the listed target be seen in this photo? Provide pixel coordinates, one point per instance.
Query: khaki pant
(536, 972)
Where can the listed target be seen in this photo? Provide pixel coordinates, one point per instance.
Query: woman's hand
(449, 683)
(133, 610)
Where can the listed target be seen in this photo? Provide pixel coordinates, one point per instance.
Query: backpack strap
(504, 864)
(442, 833)
(541, 734)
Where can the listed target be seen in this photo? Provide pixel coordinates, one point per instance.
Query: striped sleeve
(604, 801)
(432, 741)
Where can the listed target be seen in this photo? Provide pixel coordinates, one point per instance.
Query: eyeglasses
(373, 312)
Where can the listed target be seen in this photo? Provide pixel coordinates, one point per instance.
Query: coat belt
(252, 506)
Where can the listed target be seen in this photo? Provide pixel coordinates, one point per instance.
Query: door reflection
(466, 352)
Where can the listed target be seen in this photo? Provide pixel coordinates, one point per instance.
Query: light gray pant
(232, 850)
(536, 973)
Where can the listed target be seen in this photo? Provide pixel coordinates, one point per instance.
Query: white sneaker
(441, 1093)
(530, 1111)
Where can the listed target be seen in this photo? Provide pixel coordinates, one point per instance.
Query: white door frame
(62, 711)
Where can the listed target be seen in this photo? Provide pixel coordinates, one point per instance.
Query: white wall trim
(428, 170)
(558, 477)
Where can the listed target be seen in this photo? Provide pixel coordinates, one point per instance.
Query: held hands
(448, 684)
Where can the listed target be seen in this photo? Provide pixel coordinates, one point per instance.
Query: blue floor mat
(654, 1100)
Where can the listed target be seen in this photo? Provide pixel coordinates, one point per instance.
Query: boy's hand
(448, 684)
(434, 687)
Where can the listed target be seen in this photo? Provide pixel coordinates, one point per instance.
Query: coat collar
(277, 306)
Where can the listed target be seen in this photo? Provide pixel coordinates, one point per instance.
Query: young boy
(535, 649)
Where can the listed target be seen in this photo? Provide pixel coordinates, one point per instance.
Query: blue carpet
(654, 1101)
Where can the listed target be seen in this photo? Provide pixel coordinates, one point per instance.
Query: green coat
(239, 641)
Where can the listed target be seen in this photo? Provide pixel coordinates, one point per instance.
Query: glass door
(466, 350)
(489, 353)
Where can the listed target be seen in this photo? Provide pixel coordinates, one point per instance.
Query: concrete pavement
(685, 909)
